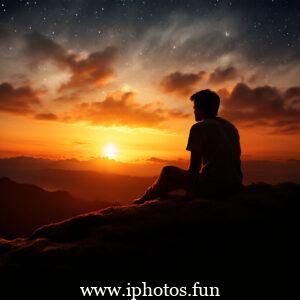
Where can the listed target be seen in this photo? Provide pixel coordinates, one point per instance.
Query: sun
(110, 151)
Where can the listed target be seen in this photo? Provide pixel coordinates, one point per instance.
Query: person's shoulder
(228, 124)
(225, 121)
(197, 126)
(208, 123)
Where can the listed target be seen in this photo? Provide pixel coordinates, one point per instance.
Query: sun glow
(110, 151)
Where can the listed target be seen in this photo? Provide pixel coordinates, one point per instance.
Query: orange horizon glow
(27, 137)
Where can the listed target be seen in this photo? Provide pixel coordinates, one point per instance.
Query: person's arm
(195, 162)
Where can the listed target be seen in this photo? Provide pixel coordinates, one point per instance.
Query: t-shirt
(219, 144)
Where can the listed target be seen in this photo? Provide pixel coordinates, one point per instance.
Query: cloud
(160, 160)
(292, 94)
(175, 113)
(40, 48)
(4, 33)
(121, 109)
(46, 116)
(68, 98)
(263, 106)
(117, 109)
(86, 71)
(181, 84)
(93, 71)
(179, 162)
(21, 100)
(185, 84)
(220, 75)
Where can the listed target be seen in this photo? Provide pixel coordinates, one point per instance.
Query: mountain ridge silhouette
(25, 207)
(173, 232)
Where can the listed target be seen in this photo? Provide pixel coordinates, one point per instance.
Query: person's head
(206, 104)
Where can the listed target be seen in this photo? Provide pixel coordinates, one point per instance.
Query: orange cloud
(21, 100)
(117, 109)
(181, 84)
(68, 98)
(121, 109)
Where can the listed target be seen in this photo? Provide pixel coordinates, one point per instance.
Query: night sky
(267, 31)
(96, 72)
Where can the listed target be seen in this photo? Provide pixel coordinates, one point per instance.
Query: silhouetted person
(215, 152)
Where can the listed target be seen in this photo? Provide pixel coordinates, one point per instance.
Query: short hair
(208, 100)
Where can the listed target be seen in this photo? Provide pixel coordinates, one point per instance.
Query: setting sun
(110, 151)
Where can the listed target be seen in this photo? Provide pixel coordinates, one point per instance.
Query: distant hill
(243, 241)
(86, 184)
(100, 164)
(27, 169)
(25, 207)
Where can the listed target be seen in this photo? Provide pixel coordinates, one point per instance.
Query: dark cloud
(19, 100)
(179, 162)
(96, 70)
(293, 95)
(40, 48)
(72, 97)
(220, 75)
(93, 70)
(3, 33)
(181, 84)
(255, 78)
(223, 93)
(121, 109)
(160, 160)
(7, 36)
(46, 116)
(293, 92)
(184, 84)
(263, 106)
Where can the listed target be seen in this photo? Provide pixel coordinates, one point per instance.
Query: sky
(78, 77)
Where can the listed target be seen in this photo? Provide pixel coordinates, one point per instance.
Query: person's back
(220, 147)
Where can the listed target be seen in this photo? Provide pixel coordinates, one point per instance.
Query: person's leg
(171, 178)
